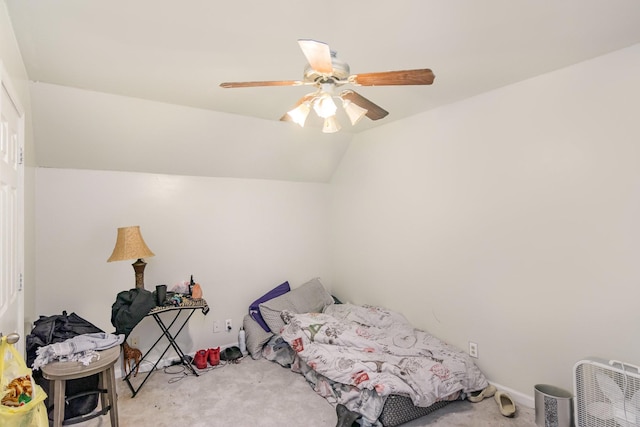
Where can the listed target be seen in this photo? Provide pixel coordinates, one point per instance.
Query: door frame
(18, 245)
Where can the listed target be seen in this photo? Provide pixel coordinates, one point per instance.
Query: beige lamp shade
(130, 245)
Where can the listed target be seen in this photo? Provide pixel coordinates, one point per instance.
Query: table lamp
(131, 245)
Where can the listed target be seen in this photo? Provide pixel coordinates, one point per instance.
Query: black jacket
(130, 308)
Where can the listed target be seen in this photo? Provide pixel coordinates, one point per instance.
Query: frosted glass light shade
(331, 125)
(324, 106)
(354, 111)
(299, 114)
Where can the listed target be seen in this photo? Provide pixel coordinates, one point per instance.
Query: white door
(11, 211)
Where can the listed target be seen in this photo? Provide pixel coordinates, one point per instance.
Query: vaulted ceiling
(178, 52)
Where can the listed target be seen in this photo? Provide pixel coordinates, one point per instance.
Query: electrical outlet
(135, 342)
(473, 349)
(228, 326)
(216, 326)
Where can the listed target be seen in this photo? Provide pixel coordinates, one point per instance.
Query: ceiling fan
(327, 73)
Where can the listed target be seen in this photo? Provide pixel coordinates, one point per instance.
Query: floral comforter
(359, 355)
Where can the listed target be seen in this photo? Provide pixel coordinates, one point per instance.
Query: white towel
(82, 348)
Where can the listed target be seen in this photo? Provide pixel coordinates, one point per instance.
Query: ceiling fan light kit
(327, 72)
(325, 107)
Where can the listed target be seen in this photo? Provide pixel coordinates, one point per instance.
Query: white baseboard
(520, 398)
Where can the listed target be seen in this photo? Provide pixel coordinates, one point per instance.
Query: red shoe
(213, 354)
(200, 359)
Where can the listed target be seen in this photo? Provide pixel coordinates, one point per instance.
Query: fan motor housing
(340, 72)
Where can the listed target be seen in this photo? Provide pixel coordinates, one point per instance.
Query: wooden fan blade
(389, 78)
(259, 84)
(374, 112)
(318, 55)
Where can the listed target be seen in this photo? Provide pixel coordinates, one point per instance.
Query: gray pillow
(310, 297)
(256, 337)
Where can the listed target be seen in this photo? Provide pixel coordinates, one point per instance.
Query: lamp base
(138, 267)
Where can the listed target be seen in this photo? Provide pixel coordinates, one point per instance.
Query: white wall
(238, 237)
(82, 129)
(511, 219)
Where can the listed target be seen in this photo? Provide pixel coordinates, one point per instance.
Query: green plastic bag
(32, 413)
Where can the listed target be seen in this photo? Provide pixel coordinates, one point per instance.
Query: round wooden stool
(59, 372)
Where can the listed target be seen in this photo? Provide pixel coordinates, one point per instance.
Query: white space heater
(607, 394)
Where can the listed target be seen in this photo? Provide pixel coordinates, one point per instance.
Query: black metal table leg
(166, 333)
(172, 341)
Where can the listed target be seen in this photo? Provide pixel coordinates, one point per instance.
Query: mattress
(400, 409)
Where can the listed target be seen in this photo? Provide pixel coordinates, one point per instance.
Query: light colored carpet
(262, 393)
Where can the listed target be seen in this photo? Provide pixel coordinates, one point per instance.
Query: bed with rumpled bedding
(370, 359)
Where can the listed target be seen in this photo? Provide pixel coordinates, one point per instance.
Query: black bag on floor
(52, 329)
